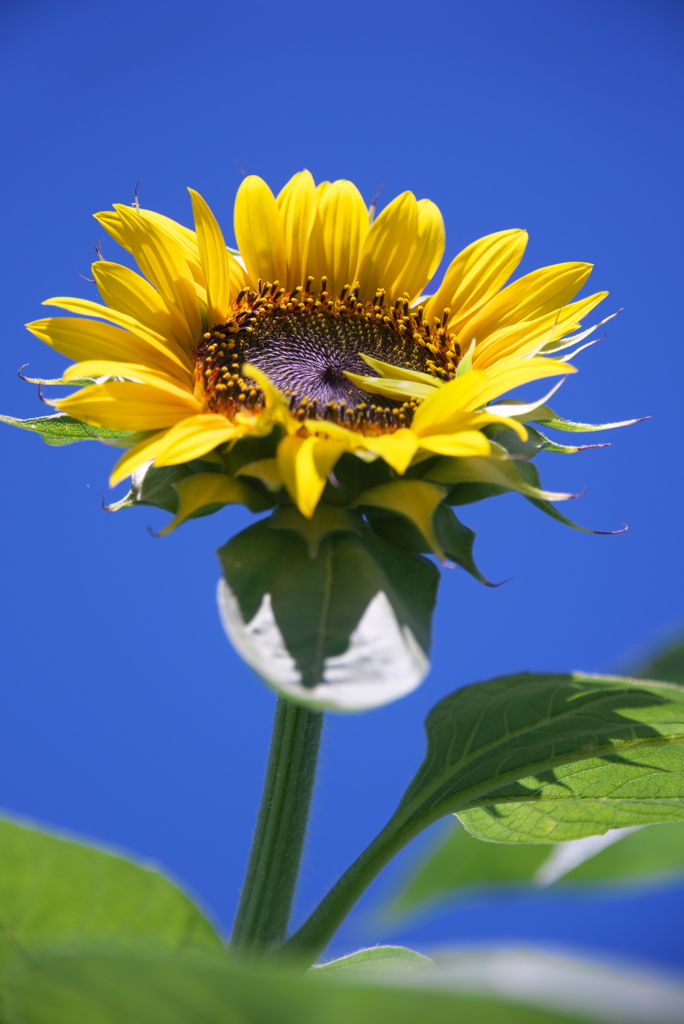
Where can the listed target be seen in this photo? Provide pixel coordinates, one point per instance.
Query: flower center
(305, 341)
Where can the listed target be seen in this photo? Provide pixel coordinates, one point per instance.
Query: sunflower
(315, 334)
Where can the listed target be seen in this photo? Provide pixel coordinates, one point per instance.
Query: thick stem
(269, 887)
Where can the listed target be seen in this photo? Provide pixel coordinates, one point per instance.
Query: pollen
(306, 341)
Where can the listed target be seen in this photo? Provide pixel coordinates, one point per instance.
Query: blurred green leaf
(650, 855)
(460, 865)
(136, 990)
(667, 664)
(564, 984)
(60, 429)
(55, 891)
(348, 629)
(379, 959)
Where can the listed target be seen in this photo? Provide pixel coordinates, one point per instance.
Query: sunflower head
(308, 365)
(306, 372)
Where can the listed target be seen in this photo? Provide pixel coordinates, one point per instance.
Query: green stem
(269, 887)
(315, 934)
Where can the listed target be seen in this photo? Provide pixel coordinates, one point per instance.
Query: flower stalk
(269, 887)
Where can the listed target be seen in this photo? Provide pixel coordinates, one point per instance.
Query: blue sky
(126, 715)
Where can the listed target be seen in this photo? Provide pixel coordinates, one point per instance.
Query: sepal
(60, 429)
(439, 532)
(325, 612)
(476, 478)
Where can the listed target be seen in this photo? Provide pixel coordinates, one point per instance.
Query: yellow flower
(316, 332)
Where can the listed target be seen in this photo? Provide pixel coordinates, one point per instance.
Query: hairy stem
(266, 899)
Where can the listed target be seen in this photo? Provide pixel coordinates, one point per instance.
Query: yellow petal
(391, 371)
(344, 223)
(519, 339)
(476, 274)
(462, 443)
(415, 500)
(304, 464)
(276, 403)
(185, 237)
(543, 291)
(389, 247)
(111, 222)
(475, 389)
(316, 263)
(511, 373)
(129, 293)
(260, 232)
(202, 490)
(194, 437)
(136, 457)
(322, 428)
(182, 236)
(390, 388)
(215, 259)
(127, 406)
(396, 449)
(88, 339)
(429, 248)
(133, 371)
(297, 205)
(161, 259)
(459, 422)
(166, 347)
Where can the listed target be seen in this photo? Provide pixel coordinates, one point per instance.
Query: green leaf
(60, 429)
(547, 758)
(56, 891)
(348, 629)
(530, 759)
(379, 960)
(136, 990)
(458, 864)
